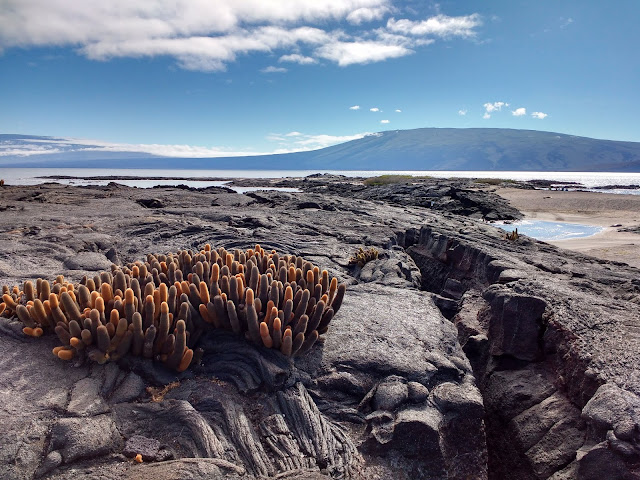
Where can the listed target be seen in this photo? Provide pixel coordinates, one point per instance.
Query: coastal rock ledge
(457, 354)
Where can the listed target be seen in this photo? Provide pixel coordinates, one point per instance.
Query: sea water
(550, 231)
(34, 176)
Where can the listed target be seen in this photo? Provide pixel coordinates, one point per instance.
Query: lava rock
(150, 203)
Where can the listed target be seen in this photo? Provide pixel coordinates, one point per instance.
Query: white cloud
(46, 22)
(207, 36)
(31, 147)
(272, 69)
(519, 112)
(304, 142)
(398, 110)
(360, 52)
(366, 14)
(289, 142)
(374, 109)
(27, 150)
(486, 116)
(384, 121)
(539, 115)
(199, 34)
(440, 26)
(495, 106)
(297, 58)
(208, 53)
(566, 23)
(355, 107)
(462, 112)
(387, 38)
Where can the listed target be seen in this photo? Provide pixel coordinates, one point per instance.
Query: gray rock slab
(515, 324)
(418, 393)
(533, 424)
(395, 331)
(390, 394)
(147, 447)
(464, 400)
(612, 407)
(86, 400)
(129, 389)
(91, 261)
(91, 437)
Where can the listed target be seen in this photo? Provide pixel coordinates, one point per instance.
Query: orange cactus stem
(204, 293)
(264, 334)
(65, 354)
(186, 360)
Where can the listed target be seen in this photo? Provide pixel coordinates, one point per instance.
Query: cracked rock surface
(439, 364)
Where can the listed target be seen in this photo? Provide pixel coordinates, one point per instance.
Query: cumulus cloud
(45, 22)
(272, 69)
(360, 52)
(367, 14)
(495, 106)
(384, 121)
(462, 112)
(519, 112)
(539, 115)
(486, 116)
(297, 58)
(207, 36)
(440, 26)
(354, 107)
(208, 53)
(398, 110)
(374, 109)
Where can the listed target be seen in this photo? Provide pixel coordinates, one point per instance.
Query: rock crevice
(526, 330)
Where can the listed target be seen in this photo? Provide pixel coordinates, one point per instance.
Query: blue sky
(205, 78)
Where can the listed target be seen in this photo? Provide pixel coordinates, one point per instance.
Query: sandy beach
(601, 209)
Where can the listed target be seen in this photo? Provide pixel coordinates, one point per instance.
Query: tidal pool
(546, 230)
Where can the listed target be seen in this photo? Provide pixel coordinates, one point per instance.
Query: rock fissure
(536, 378)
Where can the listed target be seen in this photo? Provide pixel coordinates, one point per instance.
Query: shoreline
(614, 212)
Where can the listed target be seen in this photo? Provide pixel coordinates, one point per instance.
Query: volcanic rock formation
(457, 354)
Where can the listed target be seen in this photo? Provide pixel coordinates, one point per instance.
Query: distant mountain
(420, 149)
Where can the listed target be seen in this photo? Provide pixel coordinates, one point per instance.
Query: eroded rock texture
(553, 340)
(389, 393)
(457, 354)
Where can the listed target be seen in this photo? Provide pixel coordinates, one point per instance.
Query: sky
(226, 77)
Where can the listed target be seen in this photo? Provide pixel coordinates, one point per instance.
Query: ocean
(205, 178)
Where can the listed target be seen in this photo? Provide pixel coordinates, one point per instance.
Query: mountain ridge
(497, 149)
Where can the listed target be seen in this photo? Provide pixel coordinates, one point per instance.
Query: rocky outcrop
(552, 351)
(388, 394)
(459, 197)
(456, 354)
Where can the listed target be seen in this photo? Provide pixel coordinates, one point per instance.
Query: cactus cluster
(158, 309)
(512, 236)
(363, 256)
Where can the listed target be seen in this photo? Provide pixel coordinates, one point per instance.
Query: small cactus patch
(159, 308)
(363, 256)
